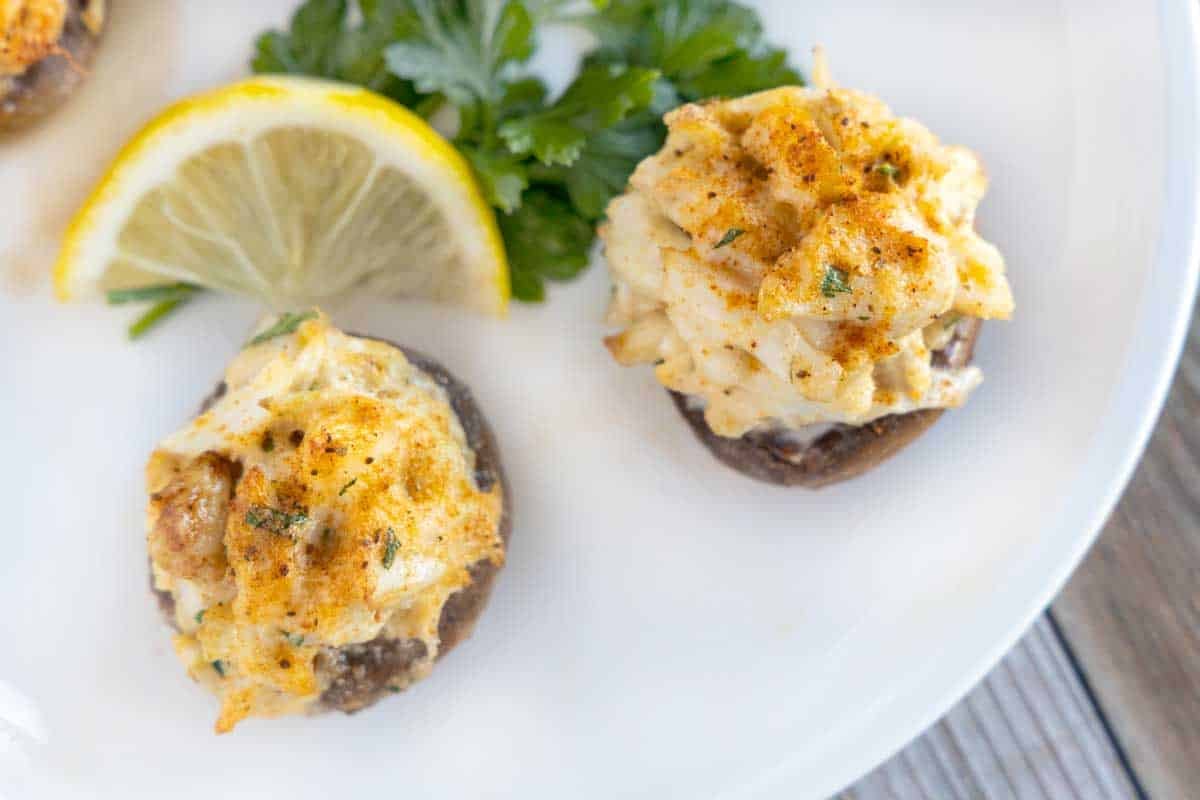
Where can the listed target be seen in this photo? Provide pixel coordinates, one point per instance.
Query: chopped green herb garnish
(219, 666)
(268, 442)
(342, 491)
(274, 520)
(728, 238)
(389, 549)
(395, 689)
(864, 319)
(151, 294)
(287, 323)
(200, 615)
(834, 282)
(294, 639)
(886, 169)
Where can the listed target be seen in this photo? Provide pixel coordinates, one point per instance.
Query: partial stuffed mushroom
(802, 269)
(46, 47)
(328, 527)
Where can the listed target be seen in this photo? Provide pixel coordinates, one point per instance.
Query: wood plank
(1132, 611)
(1028, 732)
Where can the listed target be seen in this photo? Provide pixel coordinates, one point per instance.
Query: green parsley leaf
(320, 41)
(526, 284)
(287, 323)
(463, 49)
(343, 490)
(311, 43)
(729, 237)
(200, 615)
(600, 97)
(390, 546)
(546, 239)
(522, 97)
(603, 168)
(741, 74)
(704, 47)
(690, 37)
(219, 666)
(834, 282)
(501, 175)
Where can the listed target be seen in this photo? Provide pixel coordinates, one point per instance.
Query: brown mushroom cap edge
(844, 452)
(46, 84)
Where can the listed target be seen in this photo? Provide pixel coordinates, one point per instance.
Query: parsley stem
(287, 323)
(156, 313)
(429, 106)
(146, 294)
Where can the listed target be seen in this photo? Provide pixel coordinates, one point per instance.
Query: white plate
(665, 627)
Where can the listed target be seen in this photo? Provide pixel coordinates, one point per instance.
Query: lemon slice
(294, 191)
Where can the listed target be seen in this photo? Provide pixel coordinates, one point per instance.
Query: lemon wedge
(294, 191)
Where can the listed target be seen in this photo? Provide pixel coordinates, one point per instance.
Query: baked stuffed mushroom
(801, 267)
(45, 49)
(328, 527)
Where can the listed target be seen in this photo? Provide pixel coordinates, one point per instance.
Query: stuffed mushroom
(801, 268)
(45, 49)
(328, 527)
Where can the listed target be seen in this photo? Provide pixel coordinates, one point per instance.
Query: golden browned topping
(188, 522)
(327, 498)
(787, 256)
(29, 31)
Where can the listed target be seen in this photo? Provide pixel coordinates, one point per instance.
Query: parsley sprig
(286, 324)
(164, 297)
(548, 164)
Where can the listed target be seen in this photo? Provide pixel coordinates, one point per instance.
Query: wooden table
(1101, 699)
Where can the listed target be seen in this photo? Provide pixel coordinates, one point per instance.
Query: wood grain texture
(1132, 611)
(1029, 731)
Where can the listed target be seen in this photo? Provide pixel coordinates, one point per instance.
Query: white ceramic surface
(665, 628)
